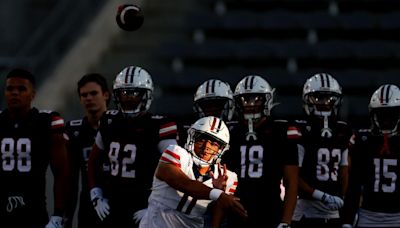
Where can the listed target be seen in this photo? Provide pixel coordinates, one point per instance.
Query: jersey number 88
(22, 147)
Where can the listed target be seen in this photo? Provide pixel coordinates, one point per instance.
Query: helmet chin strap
(326, 132)
(250, 119)
(200, 162)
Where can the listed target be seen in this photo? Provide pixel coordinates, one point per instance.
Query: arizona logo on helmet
(215, 125)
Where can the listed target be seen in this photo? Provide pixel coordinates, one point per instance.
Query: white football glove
(138, 215)
(283, 225)
(332, 202)
(100, 203)
(55, 222)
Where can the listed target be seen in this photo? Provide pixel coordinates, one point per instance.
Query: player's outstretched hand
(220, 181)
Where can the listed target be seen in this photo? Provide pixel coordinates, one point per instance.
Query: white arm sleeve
(99, 141)
(300, 153)
(345, 158)
(163, 144)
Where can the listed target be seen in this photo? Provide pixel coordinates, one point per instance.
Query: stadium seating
(284, 40)
(354, 40)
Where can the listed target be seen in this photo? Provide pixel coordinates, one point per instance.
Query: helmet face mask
(207, 147)
(252, 103)
(320, 102)
(386, 119)
(384, 109)
(254, 99)
(132, 100)
(202, 138)
(132, 89)
(253, 95)
(214, 98)
(208, 139)
(218, 106)
(322, 95)
(322, 98)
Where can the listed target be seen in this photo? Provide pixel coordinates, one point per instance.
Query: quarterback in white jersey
(188, 180)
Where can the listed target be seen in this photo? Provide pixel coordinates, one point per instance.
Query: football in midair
(129, 17)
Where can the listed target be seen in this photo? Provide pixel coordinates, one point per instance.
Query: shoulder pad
(364, 130)
(283, 124)
(75, 122)
(51, 113)
(342, 122)
(300, 121)
(45, 111)
(112, 112)
(157, 117)
(232, 122)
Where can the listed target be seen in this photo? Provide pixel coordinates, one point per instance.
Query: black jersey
(375, 168)
(25, 149)
(183, 125)
(81, 139)
(259, 165)
(323, 156)
(131, 146)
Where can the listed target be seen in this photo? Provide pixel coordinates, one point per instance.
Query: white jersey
(184, 210)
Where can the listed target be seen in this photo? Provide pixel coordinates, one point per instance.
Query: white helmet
(322, 95)
(255, 86)
(384, 109)
(254, 98)
(133, 81)
(214, 97)
(212, 128)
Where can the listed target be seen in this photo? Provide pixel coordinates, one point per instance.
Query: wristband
(317, 194)
(215, 193)
(96, 193)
